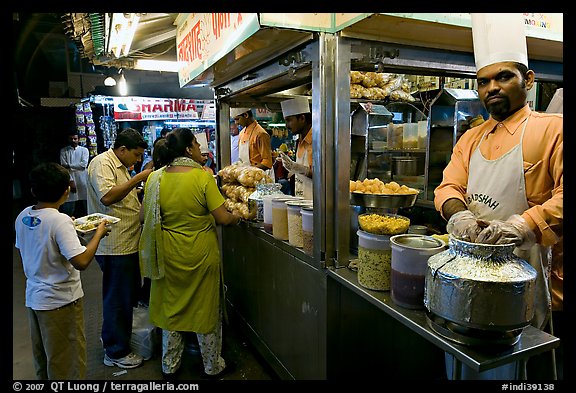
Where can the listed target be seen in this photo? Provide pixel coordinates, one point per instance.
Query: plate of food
(90, 222)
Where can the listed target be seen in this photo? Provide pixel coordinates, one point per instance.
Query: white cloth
(77, 161)
(238, 111)
(303, 185)
(496, 190)
(498, 37)
(295, 106)
(556, 104)
(234, 153)
(47, 239)
(244, 151)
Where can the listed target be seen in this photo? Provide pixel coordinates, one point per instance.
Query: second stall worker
(254, 147)
(298, 119)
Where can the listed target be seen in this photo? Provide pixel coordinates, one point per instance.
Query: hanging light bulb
(109, 81)
(122, 85)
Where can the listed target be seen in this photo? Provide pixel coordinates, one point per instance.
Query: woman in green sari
(179, 251)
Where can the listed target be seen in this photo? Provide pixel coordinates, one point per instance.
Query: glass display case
(452, 113)
(388, 143)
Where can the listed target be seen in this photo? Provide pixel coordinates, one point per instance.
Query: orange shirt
(259, 148)
(542, 149)
(305, 146)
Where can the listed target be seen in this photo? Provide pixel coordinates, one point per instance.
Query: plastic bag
(143, 339)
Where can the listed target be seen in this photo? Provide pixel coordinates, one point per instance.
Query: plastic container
(410, 253)
(295, 222)
(256, 202)
(267, 202)
(422, 134)
(374, 261)
(307, 213)
(395, 136)
(280, 218)
(410, 136)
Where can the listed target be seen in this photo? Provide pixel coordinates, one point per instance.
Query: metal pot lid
(416, 241)
(407, 159)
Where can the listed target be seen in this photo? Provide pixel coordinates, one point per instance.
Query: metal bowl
(381, 228)
(383, 201)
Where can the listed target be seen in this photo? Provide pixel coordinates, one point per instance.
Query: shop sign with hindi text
(204, 38)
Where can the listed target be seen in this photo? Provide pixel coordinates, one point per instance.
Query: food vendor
(504, 181)
(298, 119)
(254, 146)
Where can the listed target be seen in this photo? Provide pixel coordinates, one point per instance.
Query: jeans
(120, 289)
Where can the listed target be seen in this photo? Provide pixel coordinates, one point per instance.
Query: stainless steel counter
(532, 341)
(257, 229)
(278, 294)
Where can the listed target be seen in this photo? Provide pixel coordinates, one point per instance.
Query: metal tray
(383, 201)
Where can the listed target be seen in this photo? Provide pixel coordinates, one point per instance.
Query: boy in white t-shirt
(52, 256)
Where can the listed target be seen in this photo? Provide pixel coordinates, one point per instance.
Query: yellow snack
(377, 186)
(444, 237)
(383, 224)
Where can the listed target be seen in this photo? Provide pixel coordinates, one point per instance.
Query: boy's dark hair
(164, 132)
(161, 153)
(49, 181)
(130, 138)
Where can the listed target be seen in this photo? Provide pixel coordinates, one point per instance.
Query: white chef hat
(295, 106)
(237, 111)
(203, 142)
(498, 37)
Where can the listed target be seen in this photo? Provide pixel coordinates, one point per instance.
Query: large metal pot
(407, 166)
(480, 286)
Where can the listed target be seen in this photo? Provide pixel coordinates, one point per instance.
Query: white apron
(244, 151)
(303, 185)
(244, 156)
(496, 190)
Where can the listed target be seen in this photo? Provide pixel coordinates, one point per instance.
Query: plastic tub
(410, 136)
(280, 218)
(307, 213)
(395, 136)
(410, 253)
(256, 199)
(422, 134)
(374, 261)
(267, 201)
(295, 222)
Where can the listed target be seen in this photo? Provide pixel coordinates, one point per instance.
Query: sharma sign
(144, 108)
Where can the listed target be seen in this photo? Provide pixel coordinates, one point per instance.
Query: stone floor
(249, 364)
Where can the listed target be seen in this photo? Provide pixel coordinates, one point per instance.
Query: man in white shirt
(75, 158)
